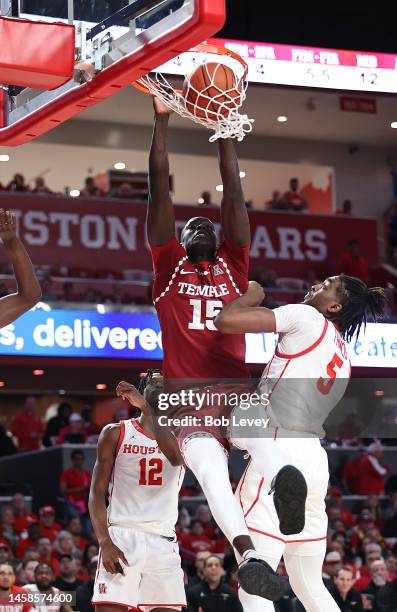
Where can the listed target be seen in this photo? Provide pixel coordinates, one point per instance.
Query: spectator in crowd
(7, 446)
(85, 591)
(75, 483)
(372, 553)
(206, 200)
(44, 548)
(28, 569)
(90, 427)
(5, 552)
(276, 202)
(352, 263)
(294, 198)
(40, 186)
(22, 518)
(386, 600)
(212, 594)
(64, 545)
(350, 475)
(8, 589)
(336, 501)
(90, 190)
(27, 426)
(74, 432)
(199, 561)
(191, 543)
(391, 564)
(30, 542)
(91, 550)
(17, 183)
(203, 514)
(379, 577)
(7, 529)
(347, 208)
(331, 567)
(56, 423)
(347, 597)
(371, 472)
(68, 292)
(75, 528)
(43, 584)
(48, 527)
(67, 579)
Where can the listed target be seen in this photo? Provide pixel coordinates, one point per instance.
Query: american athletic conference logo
(218, 270)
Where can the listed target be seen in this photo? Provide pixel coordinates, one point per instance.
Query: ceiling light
(242, 174)
(282, 118)
(38, 372)
(200, 201)
(101, 386)
(393, 124)
(119, 166)
(379, 393)
(219, 187)
(2, 383)
(4, 158)
(74, 193)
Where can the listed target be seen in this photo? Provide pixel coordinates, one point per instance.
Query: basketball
(212, 89)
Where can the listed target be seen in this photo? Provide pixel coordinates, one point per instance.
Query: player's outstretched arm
(29, 291)
(149, 406)
(245, 315)
(161, 217)
(234, 215)
(106, 454)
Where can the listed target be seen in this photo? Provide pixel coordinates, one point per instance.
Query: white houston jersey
(144, 488)
(309, 371)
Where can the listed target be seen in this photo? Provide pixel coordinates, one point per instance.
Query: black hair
(146, 378)
(41, 566)
(358, 303)
(65, 556)
(77, 452)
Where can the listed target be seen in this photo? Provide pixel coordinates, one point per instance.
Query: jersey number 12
(151, 472)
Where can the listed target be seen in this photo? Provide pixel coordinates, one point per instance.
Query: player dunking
(304, 380)
(139, 564)
(29, 292)
(193, 281)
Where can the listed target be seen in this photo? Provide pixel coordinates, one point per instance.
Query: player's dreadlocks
(146, 378)
(358, 303)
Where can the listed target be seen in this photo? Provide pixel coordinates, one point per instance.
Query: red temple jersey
(187, 297)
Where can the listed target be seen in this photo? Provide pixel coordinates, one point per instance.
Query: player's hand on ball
(131, 394)
(8, 225)
(111, 557)
(255, 293)
(160, 108)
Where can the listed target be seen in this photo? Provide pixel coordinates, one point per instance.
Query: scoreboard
(305, 66)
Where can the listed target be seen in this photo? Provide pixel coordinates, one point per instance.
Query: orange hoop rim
(202, 48)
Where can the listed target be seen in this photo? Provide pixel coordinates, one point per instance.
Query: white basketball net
(221, 111)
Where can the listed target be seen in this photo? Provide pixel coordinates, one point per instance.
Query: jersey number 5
(212, 307)
(324, 385)
(151, 472)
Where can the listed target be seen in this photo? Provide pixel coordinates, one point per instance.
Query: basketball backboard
(121, 39)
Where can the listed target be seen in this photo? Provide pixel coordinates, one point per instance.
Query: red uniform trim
(309, 349)
(270, 535)
(111, 603)
(121, 436)
(256, 498)
(142, 431)
(99, 564)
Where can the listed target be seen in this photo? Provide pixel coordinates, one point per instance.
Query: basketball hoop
(221, 113)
